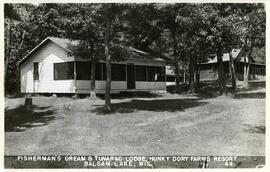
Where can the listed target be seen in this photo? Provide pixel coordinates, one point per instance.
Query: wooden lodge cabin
(49, 68)
(208, 70)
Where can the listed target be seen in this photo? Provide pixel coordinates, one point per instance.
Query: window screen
(104, 71)
(141, 73)
(64, 71)
(83, 70)
(98, 71)
(118, 72)
(156, 73)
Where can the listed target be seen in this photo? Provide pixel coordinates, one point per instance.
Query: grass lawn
(168, 124)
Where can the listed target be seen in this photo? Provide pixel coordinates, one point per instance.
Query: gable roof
(142, 55)
(68, 44)
(237, 55)
(64, 43)
(225, 57)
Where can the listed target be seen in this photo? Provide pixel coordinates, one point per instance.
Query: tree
(252, 30)
(186, 33)
(35, 24)
(175, 20)
(80, 22)
(237, 25)
(9, 15)
(109, 14)
(196, 45)
(221, 19)
(232, 71)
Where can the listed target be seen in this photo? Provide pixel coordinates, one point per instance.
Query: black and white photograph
(155, 85)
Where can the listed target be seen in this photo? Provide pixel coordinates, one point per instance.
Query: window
(64, 71)
(36, 72)
(141, 73)
(104, 71)
(99, 71)
(261, 71)
(156, 73)
(118, 72)
(83, 70)
(152, 74)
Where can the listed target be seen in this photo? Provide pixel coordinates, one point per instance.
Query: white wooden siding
(208, 75)
(140, 85)
(48, 54)
(83, 87)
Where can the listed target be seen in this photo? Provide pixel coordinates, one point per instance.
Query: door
(130, 76)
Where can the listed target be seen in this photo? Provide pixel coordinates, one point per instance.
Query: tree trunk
(245, 82)
(221, 77)
(198, 69)
(7, 54)
(108, 61)
(247, 66)
(246, 72)
(93, 79)
(184, 75)
(177, 78)
(21, 44)
(191, 75)
(232, 71)
(75, 77)
(18, 82)
(195, 72)
(18, 91)
(28, 103)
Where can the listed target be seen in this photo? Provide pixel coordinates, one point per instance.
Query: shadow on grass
(19, 119)
(208, 94)
(170, 105)
(254, 129)
(183, 88)
(211, 90)
(204, 90)
(254, 86)
(124, 95)
(250, 95)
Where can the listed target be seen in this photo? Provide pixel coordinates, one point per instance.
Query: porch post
(101, 64)
(146, 70)
(184, 75)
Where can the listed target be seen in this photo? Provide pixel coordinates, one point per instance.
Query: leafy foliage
(181, 32)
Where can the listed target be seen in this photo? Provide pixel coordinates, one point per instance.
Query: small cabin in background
(208, 70)
(170, 75)
(171, 78)
(49, 68)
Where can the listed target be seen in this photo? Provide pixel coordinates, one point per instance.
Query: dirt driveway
(166, 125)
